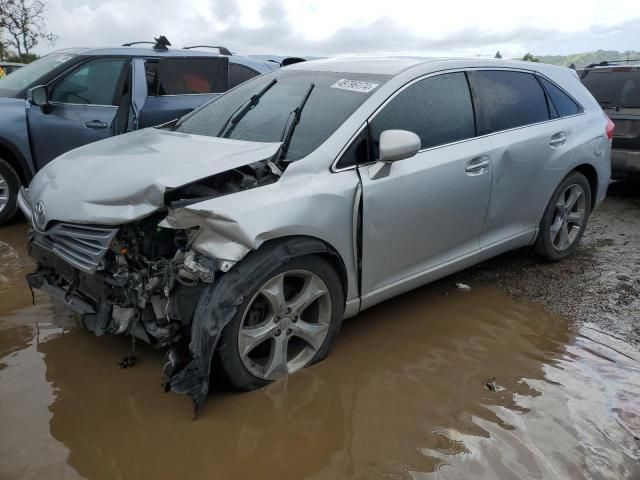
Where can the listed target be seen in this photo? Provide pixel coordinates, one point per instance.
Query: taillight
(610, 128)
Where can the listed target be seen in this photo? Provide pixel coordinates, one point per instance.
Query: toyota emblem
(39, 214)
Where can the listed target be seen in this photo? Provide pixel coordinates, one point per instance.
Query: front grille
(81, 246)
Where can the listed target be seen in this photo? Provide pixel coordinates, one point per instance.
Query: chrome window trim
(185, 94)
(444, 72)
(83, 104)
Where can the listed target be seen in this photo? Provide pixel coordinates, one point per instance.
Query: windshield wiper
(290, 126)
(242, 110)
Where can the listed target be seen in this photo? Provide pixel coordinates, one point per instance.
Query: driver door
(429, 209)
(83, 108)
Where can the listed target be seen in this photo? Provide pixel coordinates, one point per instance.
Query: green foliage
(580, 60)
(24, 58)
(530, 58)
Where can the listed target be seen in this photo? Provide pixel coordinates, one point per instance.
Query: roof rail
(604, 63)
(160, 43)
(222, 50)
(136, 43)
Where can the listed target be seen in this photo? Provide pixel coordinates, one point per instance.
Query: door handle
(478, 165)
(96, 124)
(558, 139)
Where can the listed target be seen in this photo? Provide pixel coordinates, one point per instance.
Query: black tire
(12, 182)
(544, 245)
(264, 266)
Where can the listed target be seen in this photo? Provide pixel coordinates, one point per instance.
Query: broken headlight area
(236, 180)
(146, 284)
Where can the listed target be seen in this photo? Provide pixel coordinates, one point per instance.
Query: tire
(250, 371)
(563, 225)
(9, 186)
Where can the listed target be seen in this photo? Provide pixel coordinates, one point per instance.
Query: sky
(341, 27)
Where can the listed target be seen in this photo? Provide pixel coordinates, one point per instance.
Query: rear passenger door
(178, 85)
(430, 208)
(531, 150)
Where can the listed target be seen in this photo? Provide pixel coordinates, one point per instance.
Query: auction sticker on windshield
(354, 85)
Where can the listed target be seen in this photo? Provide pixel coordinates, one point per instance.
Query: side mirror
(38, 95)
(397, 145)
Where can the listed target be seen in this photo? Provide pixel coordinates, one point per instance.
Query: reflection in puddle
(403, 395)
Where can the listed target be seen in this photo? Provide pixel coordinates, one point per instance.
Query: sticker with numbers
(354, 85)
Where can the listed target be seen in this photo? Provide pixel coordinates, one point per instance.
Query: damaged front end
(143, 278)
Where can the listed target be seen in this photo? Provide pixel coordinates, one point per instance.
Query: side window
(239, 74)
(96, 82)
(563, 103)
(438, 109)
(183, 76)
(507, 99)
(358, 151)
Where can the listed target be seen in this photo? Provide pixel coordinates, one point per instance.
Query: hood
(124, 178)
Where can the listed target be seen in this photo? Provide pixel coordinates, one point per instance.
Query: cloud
(310, 27)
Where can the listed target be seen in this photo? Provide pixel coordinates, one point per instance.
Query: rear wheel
(9, 186)
(289, 319)
(565, 218)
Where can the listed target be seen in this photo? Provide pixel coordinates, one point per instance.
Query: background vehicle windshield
(28, 74)
(614, 89)
(335, 97)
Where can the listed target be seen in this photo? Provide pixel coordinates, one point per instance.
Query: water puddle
(408, 392)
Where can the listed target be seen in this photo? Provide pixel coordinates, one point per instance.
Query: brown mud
(600, 284)
(406, 393)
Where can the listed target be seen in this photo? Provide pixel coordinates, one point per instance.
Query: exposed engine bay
(148, 280)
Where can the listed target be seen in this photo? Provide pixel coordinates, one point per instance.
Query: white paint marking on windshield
(354, 85)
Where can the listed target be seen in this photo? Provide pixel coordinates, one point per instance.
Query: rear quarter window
(506, 99)
(239, 74)
(564, 105)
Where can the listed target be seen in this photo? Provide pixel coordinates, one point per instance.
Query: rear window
(185, 76)
(563, 103)
(507, 100)
(614, 88)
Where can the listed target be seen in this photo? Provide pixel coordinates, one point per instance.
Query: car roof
(394, 65)
(12, 64)
(152, 52)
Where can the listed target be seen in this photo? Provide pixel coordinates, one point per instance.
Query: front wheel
(289, 319)
(9, 185)
(565, 218)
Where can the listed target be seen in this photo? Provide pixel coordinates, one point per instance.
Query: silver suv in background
(616, 86)
(242, 234)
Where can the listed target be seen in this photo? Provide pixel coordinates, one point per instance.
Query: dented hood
(124, 178)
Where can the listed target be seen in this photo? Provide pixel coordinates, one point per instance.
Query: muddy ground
(439, 383)
(599, 285)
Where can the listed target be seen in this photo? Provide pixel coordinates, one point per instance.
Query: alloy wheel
(285, 324)
(4, 193)
(568, 218)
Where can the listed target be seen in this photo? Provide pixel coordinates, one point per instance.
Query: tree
(498, 54)
(23, 24)
(530, 58)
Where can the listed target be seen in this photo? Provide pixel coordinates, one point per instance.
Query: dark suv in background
(616, 86)
(78, 96)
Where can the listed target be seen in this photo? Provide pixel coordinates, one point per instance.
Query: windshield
(334, 97)
(614, 88)
(27, 75)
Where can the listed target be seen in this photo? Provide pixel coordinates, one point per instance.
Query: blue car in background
(72, 97)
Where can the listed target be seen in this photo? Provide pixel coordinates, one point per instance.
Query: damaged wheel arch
(219, 303)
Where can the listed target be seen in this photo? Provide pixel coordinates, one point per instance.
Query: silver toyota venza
(241, 235)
